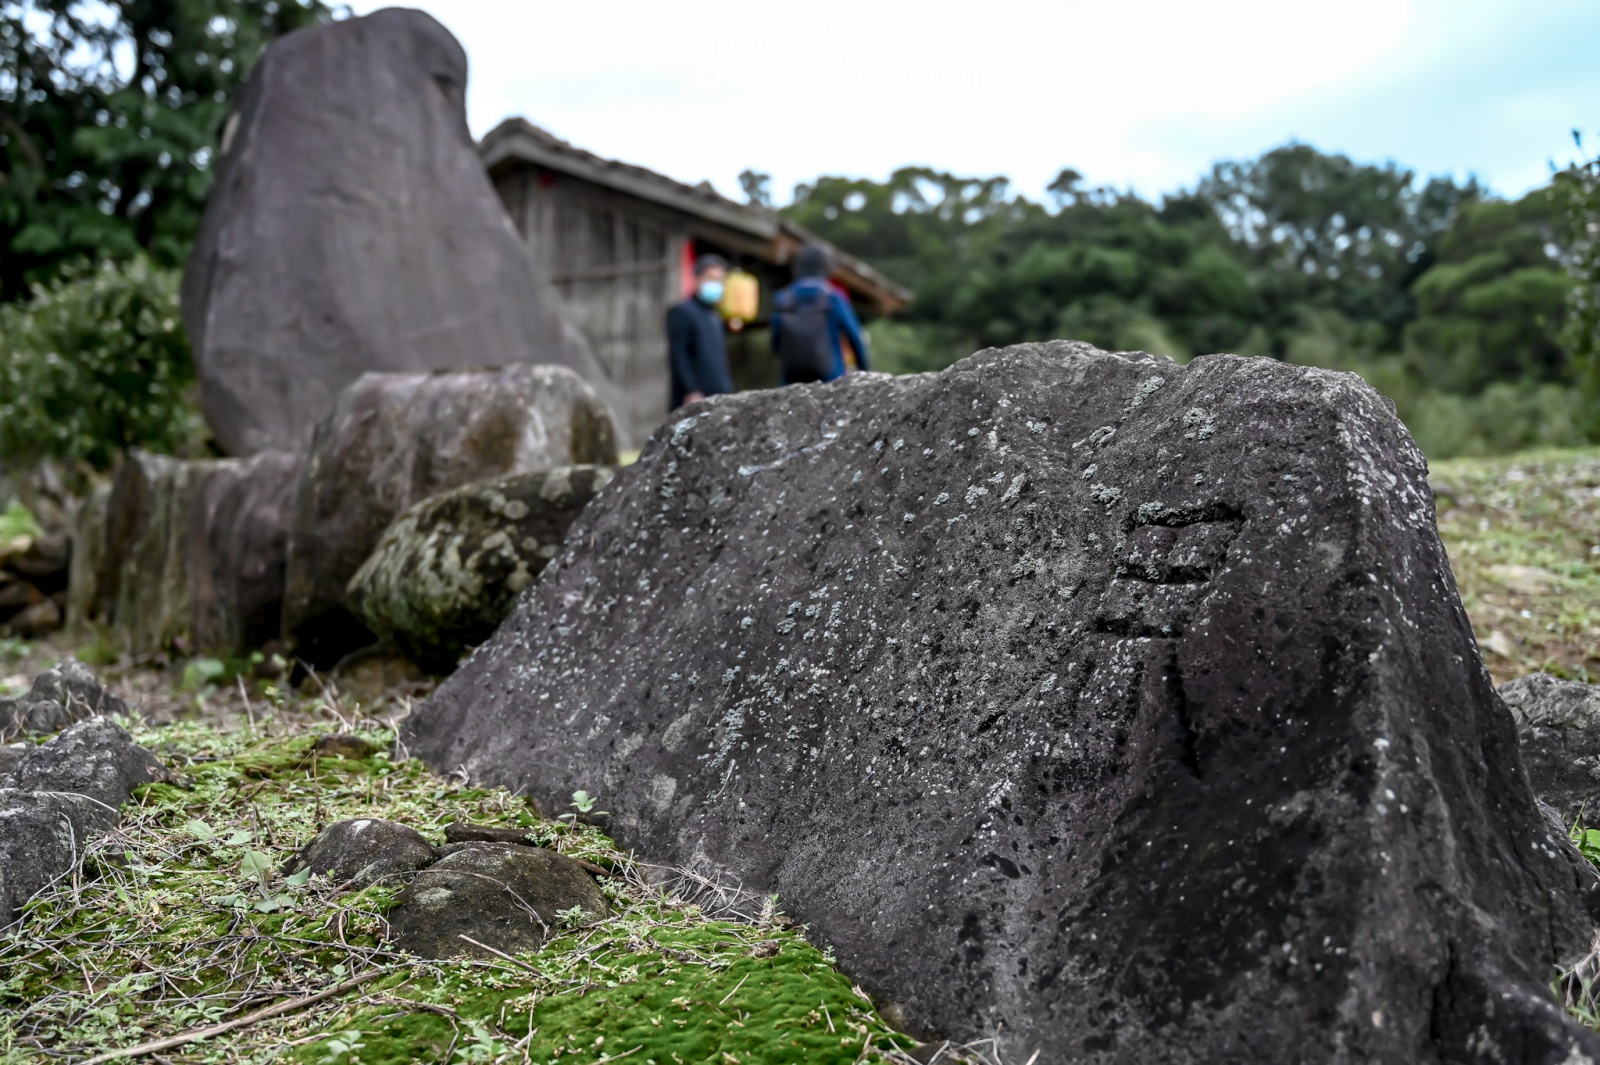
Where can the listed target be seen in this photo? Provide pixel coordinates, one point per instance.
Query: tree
(757, 187)
(1490, 307)
(1331, 231)
(109, 115)
(1579, 187)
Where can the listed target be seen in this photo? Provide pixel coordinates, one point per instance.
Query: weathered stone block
(238, 547)
(176, 552)
(394, 440)
(448, 571)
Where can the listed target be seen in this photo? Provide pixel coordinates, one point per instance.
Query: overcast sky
(1137, 93)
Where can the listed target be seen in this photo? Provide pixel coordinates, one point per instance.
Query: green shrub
(1501, 419)
(17, 520)
(94, 363)
(913, 347)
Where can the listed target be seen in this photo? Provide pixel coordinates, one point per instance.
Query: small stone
(15, 594)
(507, 897)
(344, 745)
(59, 797)
(1558, 730)
(97, 758)
(36, 621)
(10, 755)
(60, 696)
(363, 851)
(45, 557)
(1525, 580)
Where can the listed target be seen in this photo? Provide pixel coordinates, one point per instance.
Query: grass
(1523, 534)
(179, 921)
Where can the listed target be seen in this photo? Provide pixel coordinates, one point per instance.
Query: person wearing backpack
(695, 344)
(812, 322)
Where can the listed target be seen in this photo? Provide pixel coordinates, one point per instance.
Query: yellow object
(741, 299)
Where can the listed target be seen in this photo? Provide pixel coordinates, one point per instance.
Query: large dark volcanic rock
(396, 439)
(1124, 708)
(1558, 725)
(351, 227)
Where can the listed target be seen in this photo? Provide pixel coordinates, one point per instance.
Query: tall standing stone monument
(352, 228)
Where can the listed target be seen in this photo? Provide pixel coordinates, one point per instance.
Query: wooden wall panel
(615, 264)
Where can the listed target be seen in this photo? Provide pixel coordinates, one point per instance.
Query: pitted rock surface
(42, 838)
(1125, 708)
(505, 896)
(394, 440)
(61, 696)
(363, 851)
(58, 798)
(448, 571)
(10, 755)
(96, 758)
(351, 227)
(1558, 725)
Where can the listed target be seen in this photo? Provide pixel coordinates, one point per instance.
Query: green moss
(661, 986)
(173, 926)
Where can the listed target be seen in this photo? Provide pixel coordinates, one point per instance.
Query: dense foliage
(96, 362)
(109, 117)
(1448, 299)
(1480, 317)
(1580, 184)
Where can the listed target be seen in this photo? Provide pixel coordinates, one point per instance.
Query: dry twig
(183, 1038)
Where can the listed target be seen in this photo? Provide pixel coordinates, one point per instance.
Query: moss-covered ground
(181, 920)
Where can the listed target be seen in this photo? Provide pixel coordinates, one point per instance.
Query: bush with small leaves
(95, 363)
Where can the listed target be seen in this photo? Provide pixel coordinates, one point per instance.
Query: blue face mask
(710, 291)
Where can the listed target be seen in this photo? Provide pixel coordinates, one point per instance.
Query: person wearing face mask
(695, 344)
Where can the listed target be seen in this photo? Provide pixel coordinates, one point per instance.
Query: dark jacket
(697, 351)
(842, 321)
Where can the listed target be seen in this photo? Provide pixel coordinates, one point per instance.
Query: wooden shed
(619, 242)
